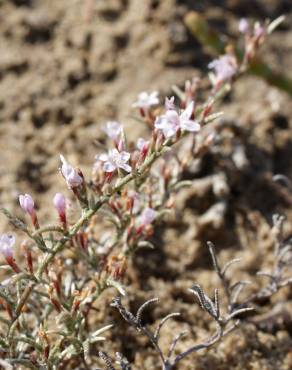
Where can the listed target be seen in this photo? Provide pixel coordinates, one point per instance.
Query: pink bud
(121, 145)
(6, 245)
(7, 242)
(147, 216)
(71, 176)
(26, 203)
(60, 203)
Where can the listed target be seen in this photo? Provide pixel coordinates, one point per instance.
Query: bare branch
(143, 307)
(107, 360)
(163, 321)
(174, 343)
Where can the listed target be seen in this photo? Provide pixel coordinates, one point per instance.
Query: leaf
(101, 330)
(117, 285)
(178, 92)
(275, 23)
(182, 184)
(145, 244)
(16, 222)
(213, 116)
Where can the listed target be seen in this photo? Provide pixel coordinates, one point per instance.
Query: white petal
(187, 113)
(109, 167)
(113, 153)
(189, 125)
(124, 156)
(140, 143)
(63, 160)
(169, 131)
(102, 157)
(160, 122)
(125, 167)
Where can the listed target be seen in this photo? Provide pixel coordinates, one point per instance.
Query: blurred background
(68, 66)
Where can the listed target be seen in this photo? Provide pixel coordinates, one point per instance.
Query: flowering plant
(47, 302)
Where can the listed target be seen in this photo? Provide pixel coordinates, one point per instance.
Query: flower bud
(60, 205)
(143, 147)
(147, 216)
(26, 203)
(7, 242)
(71, 176)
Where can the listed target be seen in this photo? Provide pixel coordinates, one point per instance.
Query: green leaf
(16, 222)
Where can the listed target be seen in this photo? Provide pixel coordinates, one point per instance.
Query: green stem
(48, 229)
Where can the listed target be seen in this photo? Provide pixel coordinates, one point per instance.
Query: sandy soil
(67, 66)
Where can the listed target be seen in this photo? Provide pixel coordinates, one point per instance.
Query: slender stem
(48, 229)
(218, 335)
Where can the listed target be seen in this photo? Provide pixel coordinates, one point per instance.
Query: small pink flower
(60, 203)
(169, 103)
(147, 216)
(7, 242)
(114, 160)
(113, 129)
(26, 203)
(171, 121)
(225, 67)
(243, 26)
(145, 100)
(70, 174)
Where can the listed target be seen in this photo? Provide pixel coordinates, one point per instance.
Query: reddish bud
(60, 205)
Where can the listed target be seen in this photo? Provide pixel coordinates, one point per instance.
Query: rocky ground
(68, 66)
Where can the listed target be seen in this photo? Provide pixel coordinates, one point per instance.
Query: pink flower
(113, 129)
(114, 160)
(147, 216)
(7, 242)
(145, 100)
(169, 103)
(70, 174)
(142, 144)
(243, 25)
(171, 121)
(60, 203)
(225, 67)
(26, 203)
